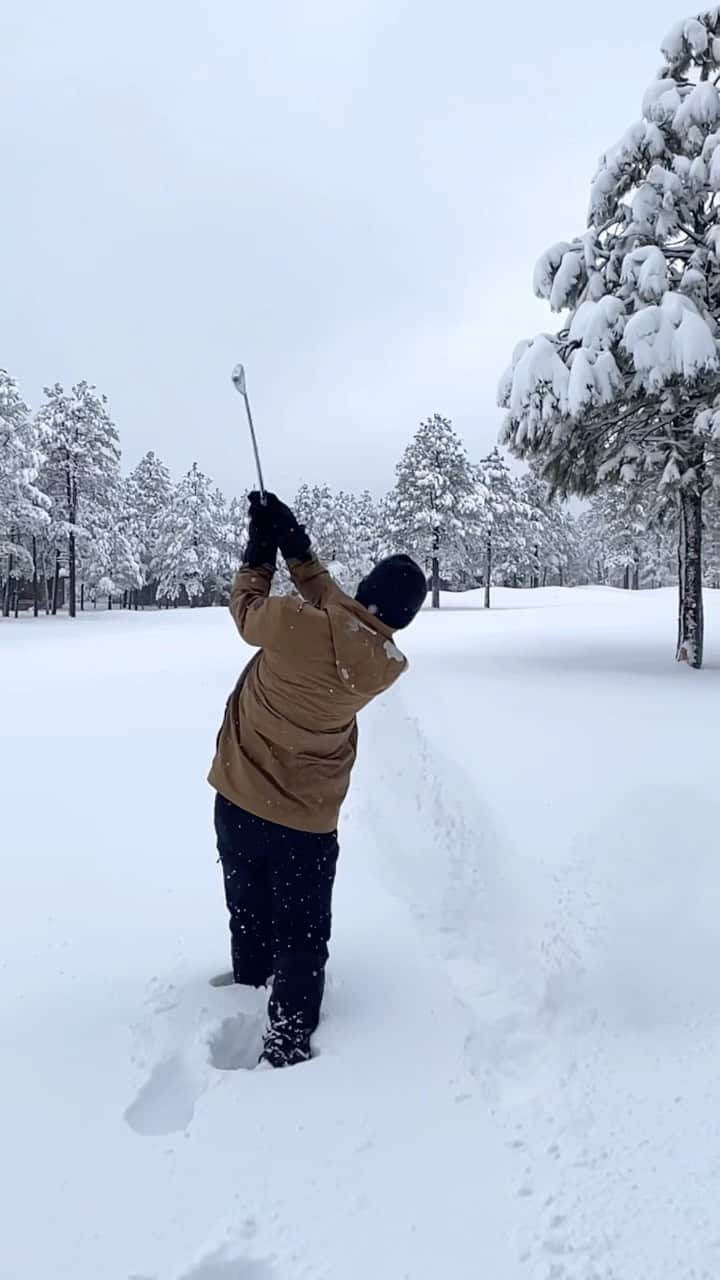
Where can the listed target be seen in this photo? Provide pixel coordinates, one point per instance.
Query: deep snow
(518, 1068)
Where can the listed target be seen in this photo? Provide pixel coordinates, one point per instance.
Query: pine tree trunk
(488, 570)
(690, 604)
(626, 578)
(72, 583)
(544, 577)
(435, 569)
(16, 606)
(125, 600)
(561, 576)
(82, 597)
(435, 583)
(56, 585)
(36, 590)
(7, 594)
(109, 602)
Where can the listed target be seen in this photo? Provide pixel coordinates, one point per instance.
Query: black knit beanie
(394, 591)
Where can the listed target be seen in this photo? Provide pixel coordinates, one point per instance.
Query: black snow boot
(286, 1044)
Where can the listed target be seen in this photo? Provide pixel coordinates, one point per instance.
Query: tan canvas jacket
(288, 741)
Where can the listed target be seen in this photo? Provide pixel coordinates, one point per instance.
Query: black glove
(262, 547)
(292, 537)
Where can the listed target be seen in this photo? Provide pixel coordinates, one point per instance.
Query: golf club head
(238, 377)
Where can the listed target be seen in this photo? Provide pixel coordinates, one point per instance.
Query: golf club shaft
(255, 447)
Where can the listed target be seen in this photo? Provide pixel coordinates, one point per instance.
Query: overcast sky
(348, 195)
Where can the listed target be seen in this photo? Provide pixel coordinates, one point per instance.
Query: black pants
(278, 889)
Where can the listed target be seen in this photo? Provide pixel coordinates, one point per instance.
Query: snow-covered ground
(518, 1067)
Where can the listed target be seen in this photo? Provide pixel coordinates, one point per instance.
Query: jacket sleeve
(314, 582)
(280, 624)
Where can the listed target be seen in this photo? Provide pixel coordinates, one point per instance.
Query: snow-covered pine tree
(434, 509)
(238, 528)
(328, 524)
(625, 537)
(366, 518)
(217, 586)
(190, 538)
(234, 542)
(570, 549)
(23, 507)
(623, 518)
(303, 506)
(330, 519)
(386, 543)
(659, 550)
(109, 551)
(549, 533)
(341, 537)
(540, 529)
(51, 559)
(148, 492)
(503, 521)
(320, 510)
(629, 385)
(81, 467)
(591, 566)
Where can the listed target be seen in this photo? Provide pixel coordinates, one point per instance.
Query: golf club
(240, 385)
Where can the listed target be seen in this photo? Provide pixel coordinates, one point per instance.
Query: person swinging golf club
(285, 753)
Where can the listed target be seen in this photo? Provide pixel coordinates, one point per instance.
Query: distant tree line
(75, 532)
